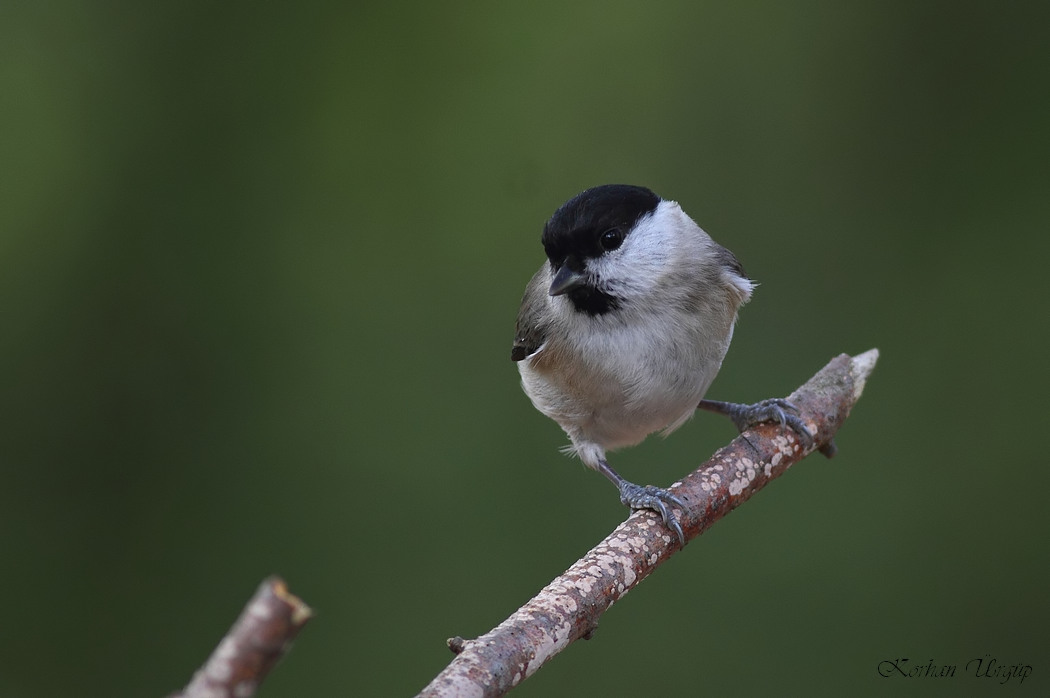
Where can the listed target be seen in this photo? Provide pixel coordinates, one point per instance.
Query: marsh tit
(624, 327)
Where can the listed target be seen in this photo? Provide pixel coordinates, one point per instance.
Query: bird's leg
(648, 497)
(772, 410)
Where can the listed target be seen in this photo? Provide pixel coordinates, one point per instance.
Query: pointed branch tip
(861, 368)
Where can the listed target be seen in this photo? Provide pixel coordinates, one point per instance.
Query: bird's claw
(776, 410)
(655, 499)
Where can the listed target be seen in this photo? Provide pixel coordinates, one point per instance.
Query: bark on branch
(256, 642)
(569, 607)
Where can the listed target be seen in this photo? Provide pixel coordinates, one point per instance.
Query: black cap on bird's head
(587, 226)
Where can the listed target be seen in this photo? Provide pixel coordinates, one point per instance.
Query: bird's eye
(610, 239)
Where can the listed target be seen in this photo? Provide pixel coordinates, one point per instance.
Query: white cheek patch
(655, 234)
(651, 247)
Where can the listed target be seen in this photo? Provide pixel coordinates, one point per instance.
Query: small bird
(623, 328)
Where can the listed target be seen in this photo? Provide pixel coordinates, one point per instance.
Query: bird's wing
(734, 275)
(531, 330)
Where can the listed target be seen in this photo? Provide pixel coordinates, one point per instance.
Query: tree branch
(256, 642)
(569, 607)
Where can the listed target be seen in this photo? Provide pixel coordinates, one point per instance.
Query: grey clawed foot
(773, 410)
(656, 499)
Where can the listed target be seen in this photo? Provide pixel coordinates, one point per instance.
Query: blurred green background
(259, 268)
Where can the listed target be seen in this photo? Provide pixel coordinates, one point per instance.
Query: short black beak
(565, 280)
